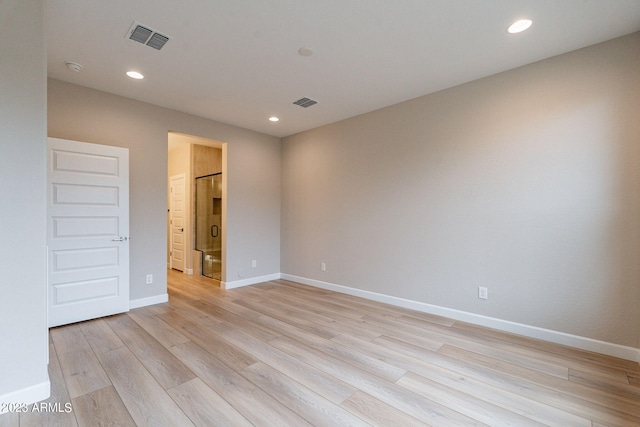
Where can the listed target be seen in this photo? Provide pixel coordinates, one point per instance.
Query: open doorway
(196, 206)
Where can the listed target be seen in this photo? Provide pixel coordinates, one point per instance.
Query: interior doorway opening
(196, 243)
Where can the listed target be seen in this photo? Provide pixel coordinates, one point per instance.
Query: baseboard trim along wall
(27, 395)
(249, 281)
(602, 347)
(143, 302)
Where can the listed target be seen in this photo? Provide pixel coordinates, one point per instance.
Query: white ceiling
(237, 61)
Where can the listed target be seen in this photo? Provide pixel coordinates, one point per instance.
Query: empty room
(328, 213)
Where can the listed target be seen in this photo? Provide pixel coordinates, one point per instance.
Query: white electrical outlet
(483, 293)
(323, 266)
(149, 279)
(254, 263)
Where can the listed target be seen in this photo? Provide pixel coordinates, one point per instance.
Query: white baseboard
(143, 302)
(27, 395)
(249, 281)
(602, 347)
(188, 271)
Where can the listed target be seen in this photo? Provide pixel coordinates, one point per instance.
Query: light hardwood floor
(281, 353)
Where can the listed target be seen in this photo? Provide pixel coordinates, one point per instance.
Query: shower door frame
(221, 229)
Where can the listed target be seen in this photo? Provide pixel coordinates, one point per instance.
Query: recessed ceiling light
(274, 119)
(519, 26)
(135, 75)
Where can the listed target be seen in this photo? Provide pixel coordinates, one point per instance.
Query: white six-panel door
(177, 203)
(87, 230)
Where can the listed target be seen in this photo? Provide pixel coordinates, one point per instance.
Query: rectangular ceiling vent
(305, 102)
(147, 36)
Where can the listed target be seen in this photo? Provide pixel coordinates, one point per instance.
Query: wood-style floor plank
(330, 387)
(427, 363)
(288, 316)
(572, 357)
(247, 398)
(255, 329)
(69, 339)
(311, 406)
(144, 398)
(352, 356)
(471, 406)
(100, 336)
(205, 407)
(82, 372)
(10, 419)
(201, 334)
(308, 313)
(378, 413)
(159, 361)
(634, 379)
(60, 415)
(102, 408)
(158, 329)
(426, 410)
(593, 403)
(284, 354)
(440, 334)
(615, 387)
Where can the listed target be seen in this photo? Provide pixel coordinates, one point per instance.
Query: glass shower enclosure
(209, 223)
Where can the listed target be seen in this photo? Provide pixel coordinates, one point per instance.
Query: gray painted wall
(526, 182)
(23, 323)
(253, 172)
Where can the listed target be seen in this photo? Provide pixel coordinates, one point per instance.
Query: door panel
(177, 203)
(88, 289)
(84, 195)
(87, 230)
(85, 227)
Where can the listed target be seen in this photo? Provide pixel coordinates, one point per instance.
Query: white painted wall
(23, 303)
(526, 182)
(253, 173)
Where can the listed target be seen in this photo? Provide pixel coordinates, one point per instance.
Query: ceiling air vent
(305, 102)
(147, 36)
(157, 40)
